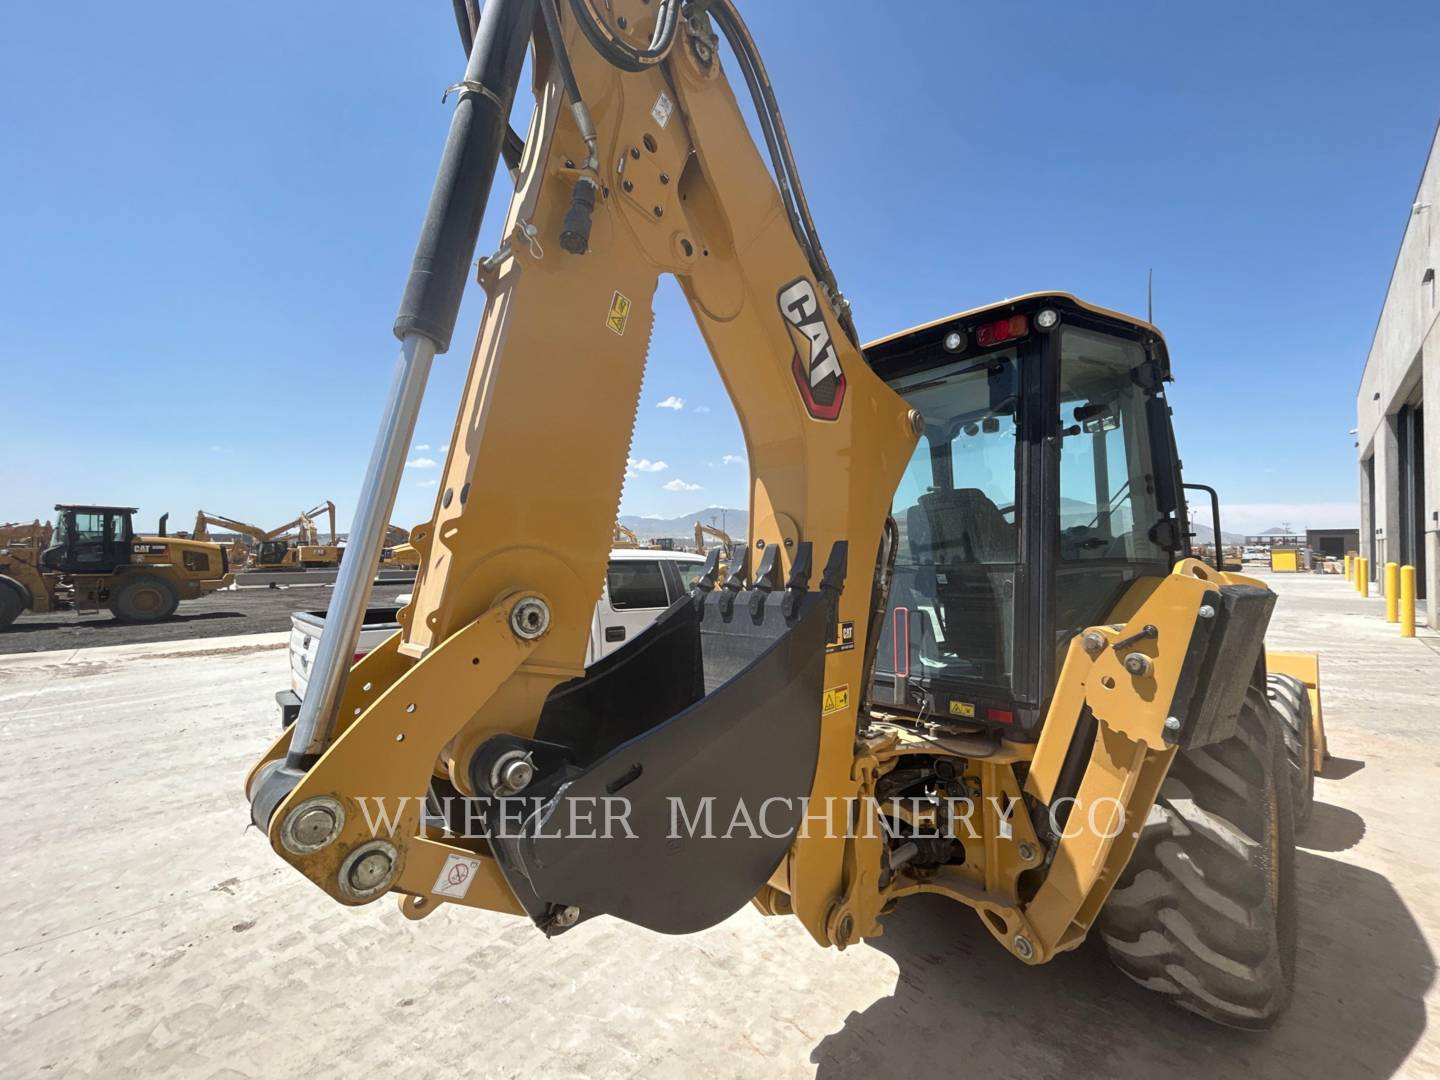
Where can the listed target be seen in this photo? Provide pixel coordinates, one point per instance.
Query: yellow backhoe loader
(92, 558)
(624, 537)
(967, 651)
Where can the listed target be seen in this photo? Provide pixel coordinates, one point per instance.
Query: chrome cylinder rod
(336, 650)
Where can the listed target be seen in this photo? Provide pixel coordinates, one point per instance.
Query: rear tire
(11, 605)
(144, 599)
(1205, 910)
(1291, 702)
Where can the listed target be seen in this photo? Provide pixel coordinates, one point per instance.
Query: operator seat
(953, 536)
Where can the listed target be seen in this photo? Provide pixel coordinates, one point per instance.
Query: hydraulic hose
(782, 159)
(575, 229)
(622, 55)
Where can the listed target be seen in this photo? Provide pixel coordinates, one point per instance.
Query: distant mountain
(735, 522)
(1204, 534)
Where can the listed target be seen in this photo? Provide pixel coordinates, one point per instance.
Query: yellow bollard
(1392, 592)
(1407, 601)
(1362, 579)
(1349, 571)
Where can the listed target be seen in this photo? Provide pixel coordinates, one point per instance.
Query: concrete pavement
(145, 931)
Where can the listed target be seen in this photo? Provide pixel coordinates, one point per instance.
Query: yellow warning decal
(619, 313)
(961, 708)
(836, 699)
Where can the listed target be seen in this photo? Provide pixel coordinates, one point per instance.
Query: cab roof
(1026, 302)
(95, 508)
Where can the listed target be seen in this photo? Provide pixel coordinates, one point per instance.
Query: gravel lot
(145, 931)
(251, 609)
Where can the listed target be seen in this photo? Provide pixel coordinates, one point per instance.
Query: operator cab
(271, 552)
(89, 540)
(1045, 483)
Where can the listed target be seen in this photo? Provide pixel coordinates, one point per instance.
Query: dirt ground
(251, 609)
(144, 930)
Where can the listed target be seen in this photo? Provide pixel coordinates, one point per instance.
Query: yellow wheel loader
(92, 558)
(966, 651)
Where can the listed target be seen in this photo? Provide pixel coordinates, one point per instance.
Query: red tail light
(1000, 716)
(356, 657)
(1002, 330)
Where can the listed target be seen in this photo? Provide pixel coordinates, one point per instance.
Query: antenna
(1150, 296)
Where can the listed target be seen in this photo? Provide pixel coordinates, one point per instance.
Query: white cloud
(732, 459)
(702, 408)
(672, 402)
(680, 485)
(428, 483)
(640, 465)
(420, 463)
(422, 446)
(445, 449)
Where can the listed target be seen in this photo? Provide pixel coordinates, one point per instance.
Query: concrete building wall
(1403, 370)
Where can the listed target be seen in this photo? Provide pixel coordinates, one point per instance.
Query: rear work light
(1002, 330)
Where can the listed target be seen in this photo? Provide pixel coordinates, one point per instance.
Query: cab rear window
(636, 583)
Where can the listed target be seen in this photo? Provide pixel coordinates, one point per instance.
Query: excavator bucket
(691, 753)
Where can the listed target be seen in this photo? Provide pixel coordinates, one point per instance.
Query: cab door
(96, 542)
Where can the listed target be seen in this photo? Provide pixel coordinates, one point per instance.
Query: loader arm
(734, 696)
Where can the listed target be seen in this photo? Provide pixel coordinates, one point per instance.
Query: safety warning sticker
(836, 699)
(961, 708)
(662, 109)
(456, 876)
(619, 313)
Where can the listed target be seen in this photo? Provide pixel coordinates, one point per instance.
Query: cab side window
(636, 583)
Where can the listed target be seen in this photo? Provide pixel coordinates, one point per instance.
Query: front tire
(1205, 910)
(11, 604)
(144, 599)
(1291, 702)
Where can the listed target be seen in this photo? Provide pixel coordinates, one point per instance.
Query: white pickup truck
(639, 584)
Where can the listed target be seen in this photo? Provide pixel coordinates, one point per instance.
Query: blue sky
(209, 211)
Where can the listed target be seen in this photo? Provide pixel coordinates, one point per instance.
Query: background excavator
(240, 552)
(296, 544)
(293, 546)
(967, 651)
(92, 558)
(723, 543)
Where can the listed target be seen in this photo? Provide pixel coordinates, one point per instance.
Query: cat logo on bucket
(816, 364)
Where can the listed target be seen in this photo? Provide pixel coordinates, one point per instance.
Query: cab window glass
(1108, 504)
(89, 528)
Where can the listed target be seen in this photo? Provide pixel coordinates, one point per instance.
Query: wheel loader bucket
(672, 777)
